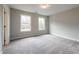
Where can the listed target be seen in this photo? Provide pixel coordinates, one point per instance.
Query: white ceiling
(52, 9)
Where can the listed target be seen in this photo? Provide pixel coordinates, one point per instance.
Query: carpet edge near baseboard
(66, 37)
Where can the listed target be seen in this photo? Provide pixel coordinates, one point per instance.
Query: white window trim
(26, 30)
(39, 24)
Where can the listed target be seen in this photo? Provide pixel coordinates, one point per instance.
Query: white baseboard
(66, 37)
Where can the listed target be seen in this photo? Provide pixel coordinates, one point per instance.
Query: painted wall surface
(0, 34)
(15, 24)
(0, 29)
(66, 24)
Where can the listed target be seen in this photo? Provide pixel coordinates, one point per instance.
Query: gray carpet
(44, 44)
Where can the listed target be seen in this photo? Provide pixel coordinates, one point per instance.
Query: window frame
(44, 21)
(26, 30)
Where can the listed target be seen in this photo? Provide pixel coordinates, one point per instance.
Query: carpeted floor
(44, 44)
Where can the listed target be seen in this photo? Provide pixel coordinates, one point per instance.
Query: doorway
(6, 23)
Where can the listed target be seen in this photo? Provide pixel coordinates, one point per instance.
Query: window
(41, 23)
(25, 23)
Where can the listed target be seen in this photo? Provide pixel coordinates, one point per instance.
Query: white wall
(66, 24)
(15, 24)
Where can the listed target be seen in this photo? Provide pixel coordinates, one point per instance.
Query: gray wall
(66, 24)
(0, 34)
(0, 29)
(15, 24)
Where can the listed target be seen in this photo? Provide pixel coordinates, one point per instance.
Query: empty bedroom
(39, 28)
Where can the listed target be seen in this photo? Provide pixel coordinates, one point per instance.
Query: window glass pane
(41, 23)
(25, 23)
